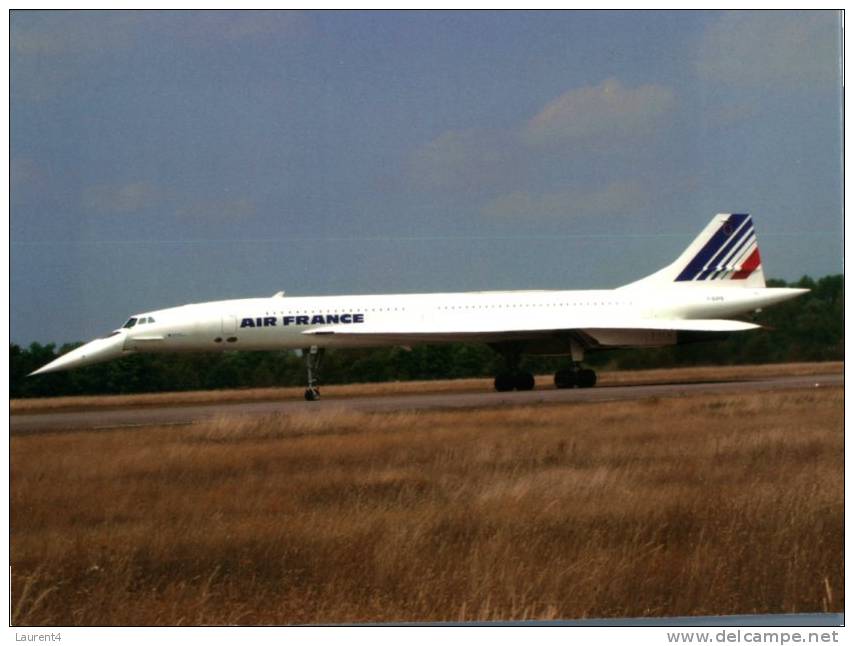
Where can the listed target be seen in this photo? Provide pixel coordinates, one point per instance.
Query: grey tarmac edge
(138, 418)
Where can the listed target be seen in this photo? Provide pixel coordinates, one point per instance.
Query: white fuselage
(281, 322)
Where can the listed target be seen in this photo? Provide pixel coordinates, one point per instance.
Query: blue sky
(159, 158)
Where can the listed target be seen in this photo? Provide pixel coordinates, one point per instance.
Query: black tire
(524, 381)
(505, 382)
(312, 394)
(586, 378)
(566, 379)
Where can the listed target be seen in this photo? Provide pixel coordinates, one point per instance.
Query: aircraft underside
(512, 347)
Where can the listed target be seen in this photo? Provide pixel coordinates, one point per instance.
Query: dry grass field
(712, 504)
(606, 378)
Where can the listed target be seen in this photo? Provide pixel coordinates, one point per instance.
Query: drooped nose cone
(95, 351)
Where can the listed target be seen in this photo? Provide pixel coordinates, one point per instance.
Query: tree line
(809, 328)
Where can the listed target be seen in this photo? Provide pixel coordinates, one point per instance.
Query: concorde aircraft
(718, 276)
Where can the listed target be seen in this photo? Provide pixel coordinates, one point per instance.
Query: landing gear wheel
(586, 378)
(505, 382)
(523, 381)
(566, 378)
(312, 394)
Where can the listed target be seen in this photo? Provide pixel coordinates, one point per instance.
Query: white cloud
(606, 110)
(136, 197)
(64, 33)
(51, 51)
(733, 111)
(23, 172)
(120, 199)
(464, 159)
(764, 48)
(56, 34)
(617, 198)
(241, 25)
(219, 209)
(584, 122)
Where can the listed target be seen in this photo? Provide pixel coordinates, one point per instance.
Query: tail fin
(725, 253)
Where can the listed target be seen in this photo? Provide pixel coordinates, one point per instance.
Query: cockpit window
(150, 320)
(130, 323)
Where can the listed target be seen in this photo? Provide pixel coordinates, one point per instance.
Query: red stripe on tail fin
(749, 266)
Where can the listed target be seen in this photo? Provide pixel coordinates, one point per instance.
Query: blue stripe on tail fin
(724, 254)
(707, 261)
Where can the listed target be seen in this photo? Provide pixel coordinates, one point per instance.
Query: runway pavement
(95, 419)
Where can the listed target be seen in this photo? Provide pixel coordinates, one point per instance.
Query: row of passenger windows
(513, 306)
(451, 307)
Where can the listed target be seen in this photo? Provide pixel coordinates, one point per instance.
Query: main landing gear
(513, 378)
(508, 381)
(575, 377)
(312, 356)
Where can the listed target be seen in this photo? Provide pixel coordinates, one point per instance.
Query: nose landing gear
(312, 356)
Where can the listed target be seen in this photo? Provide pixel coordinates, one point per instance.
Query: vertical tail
(725, 253)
